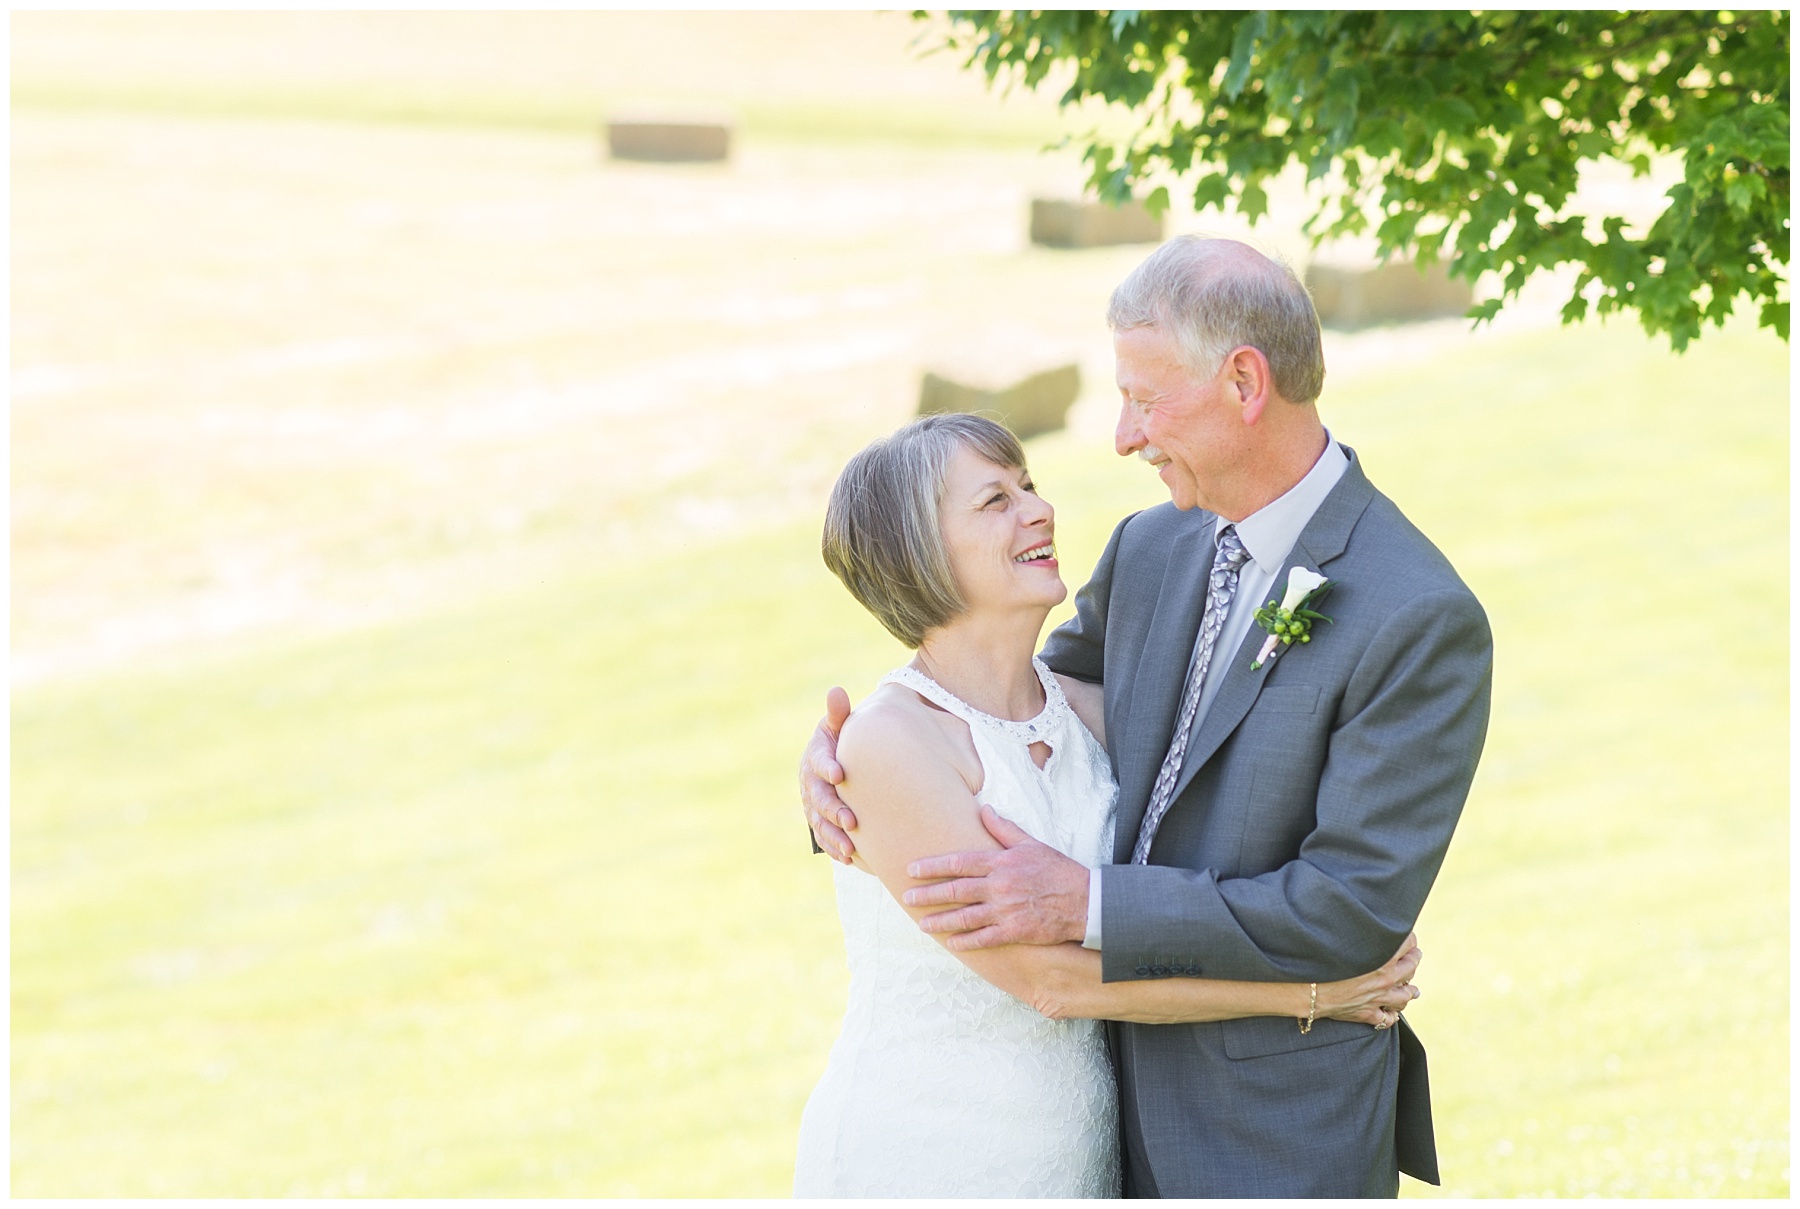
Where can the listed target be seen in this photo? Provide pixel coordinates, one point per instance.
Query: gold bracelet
(1312, 1010)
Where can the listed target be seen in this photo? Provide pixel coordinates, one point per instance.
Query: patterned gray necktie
(1221, 586)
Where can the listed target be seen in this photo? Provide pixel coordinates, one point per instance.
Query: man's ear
(1247, 375)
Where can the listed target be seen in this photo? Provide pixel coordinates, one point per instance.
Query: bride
(982, 1073)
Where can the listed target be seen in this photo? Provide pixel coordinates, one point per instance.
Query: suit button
(1193, 971)
(1160, 971)
(1143, 970)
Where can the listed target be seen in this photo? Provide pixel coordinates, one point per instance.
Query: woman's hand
(1378, 997)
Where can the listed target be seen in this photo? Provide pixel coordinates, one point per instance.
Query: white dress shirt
(1268, 535)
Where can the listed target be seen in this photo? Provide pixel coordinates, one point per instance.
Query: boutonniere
(1291, 620)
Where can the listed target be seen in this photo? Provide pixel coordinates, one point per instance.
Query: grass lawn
(514, 900)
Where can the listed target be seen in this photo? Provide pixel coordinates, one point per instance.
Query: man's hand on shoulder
(1026, 893)
(820, 774)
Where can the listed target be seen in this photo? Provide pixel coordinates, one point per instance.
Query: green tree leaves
(1460, 133)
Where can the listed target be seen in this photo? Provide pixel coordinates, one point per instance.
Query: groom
(1282, 813)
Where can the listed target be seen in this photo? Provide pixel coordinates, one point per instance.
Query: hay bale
(1396, 292)
(1067, 224)
(668, 142)
(1035, 404)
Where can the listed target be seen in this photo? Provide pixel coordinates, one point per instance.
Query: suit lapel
(1322, 540)
(1159, 677)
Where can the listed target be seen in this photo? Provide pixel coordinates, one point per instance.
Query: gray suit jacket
(1312, 814)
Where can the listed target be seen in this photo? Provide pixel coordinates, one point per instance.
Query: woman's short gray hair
(883, 534)
(1212, 306)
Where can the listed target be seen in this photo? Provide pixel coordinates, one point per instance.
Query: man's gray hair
(1212, 303)
(883, 533)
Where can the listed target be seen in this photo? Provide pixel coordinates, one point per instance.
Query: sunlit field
(417, 613)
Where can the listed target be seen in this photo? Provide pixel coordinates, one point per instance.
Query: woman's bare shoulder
(911, 774)
(895, 732)
(1089, 703)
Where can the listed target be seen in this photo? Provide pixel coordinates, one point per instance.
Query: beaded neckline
(1034, 730)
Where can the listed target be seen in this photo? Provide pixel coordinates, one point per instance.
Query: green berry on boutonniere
(1291, 620)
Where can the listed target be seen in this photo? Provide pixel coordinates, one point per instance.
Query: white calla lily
(1300, 582)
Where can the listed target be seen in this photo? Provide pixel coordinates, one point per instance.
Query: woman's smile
(993, 513)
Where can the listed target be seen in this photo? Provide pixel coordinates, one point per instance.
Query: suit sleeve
(1400, 760)
(1077, 647)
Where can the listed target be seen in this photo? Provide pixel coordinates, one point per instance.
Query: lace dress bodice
(941, 1084)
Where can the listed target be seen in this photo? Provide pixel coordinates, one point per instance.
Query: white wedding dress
(940, 1084)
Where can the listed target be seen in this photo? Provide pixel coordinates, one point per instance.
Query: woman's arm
(909, 773)
(1066, 984)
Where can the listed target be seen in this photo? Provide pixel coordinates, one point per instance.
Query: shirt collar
(1270, 532)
